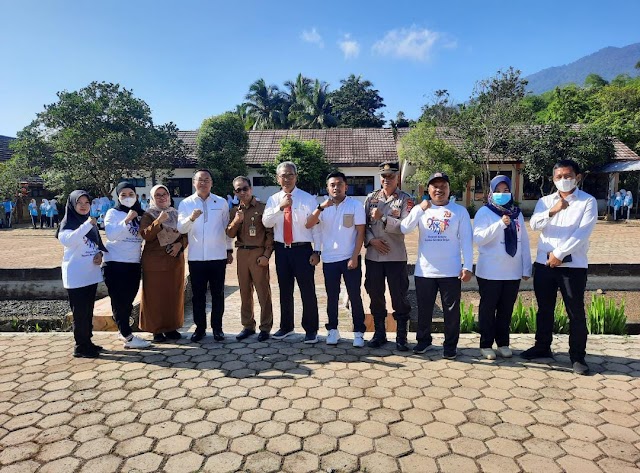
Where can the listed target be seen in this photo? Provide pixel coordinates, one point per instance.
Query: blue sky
(193, 59)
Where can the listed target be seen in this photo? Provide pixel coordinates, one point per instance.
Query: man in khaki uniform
(254, 244)
(386, 255)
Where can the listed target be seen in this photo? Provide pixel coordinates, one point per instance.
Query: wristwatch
(320, 207)
(318, 253)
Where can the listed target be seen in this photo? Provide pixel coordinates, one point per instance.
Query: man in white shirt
(287, 212)
(204, 217)
(342, 223)
(445, 236)
(566, 219)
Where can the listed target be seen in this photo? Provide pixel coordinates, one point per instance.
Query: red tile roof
(348, 147)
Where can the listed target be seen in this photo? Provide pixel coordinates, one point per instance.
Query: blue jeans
(333, 273)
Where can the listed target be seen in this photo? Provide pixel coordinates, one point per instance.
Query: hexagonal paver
(173, 445)
(320, 444)
(393, 446)
(339, 461)
(147, 462)
(454, 463)
(184, 462)
(226, 462)
(284, 444)
(378, 463)
(263, 462)
(247, 444)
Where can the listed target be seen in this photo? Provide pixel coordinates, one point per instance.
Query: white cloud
(350, 47)
(412, 43)
(312, 36)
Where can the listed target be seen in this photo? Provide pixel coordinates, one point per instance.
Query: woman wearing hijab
(122, 263)
(81, 271)
(33, 211)
(504, 258)
(44, 205)
(628, 203)
(162, 306)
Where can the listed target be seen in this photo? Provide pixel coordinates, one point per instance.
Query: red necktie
(288, 226)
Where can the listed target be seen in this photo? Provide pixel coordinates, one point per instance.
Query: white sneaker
(505, 352)
(488, 353)
(136, 342)
(358, 339)
(333, 336)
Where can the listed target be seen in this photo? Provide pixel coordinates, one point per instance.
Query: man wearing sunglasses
(254, 245)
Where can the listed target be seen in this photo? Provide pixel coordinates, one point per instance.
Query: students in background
(44, 206)
(504, 258)
(81, 271)
(33, 212)
(122, 262)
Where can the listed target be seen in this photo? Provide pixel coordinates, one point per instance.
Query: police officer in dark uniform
(386, 255)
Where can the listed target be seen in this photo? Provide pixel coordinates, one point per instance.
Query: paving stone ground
(287, 406)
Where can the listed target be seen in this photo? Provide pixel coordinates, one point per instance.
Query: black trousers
(7, 218)
(43, 221)
(395, 272)
(450, 292)
(292, 264)
(34, 221)
(333, 273)
(572, 283)
(82, 300)
(497, 298)
(211, 274)
(123, 281)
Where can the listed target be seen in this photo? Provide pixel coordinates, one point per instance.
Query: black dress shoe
(218, 335)
(246, 333)
(197, 336)
(402, 346)
(86, 351)
(173, 335)
(263, 336)
(161, 338)
(536, 352)
(97, 348)
(377, 341)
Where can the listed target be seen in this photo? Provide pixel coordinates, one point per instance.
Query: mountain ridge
(607, 62)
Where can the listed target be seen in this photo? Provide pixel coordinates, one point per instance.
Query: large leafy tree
(422, 148)
(541, 146)
(95, 136)
(440, 110)
(221, 146)
(310, 160)
(266, 106)
(356, 104)
(487, 124)
(568, 105)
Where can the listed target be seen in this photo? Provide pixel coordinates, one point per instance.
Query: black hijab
(511, 232)
(72, 220)
(136, 207)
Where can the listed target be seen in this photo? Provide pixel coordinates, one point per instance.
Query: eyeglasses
(287, 175)
(241, 189)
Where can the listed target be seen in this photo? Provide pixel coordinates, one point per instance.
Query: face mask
(565, 185)
(128, 201)
(501, 198)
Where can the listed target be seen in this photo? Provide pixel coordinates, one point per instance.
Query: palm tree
(242, 112)
(265, 105)
(313, 110)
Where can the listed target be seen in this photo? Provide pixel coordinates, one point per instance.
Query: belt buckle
(287, 246)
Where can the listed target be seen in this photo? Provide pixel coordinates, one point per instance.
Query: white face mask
(128, 201)
(565, 185)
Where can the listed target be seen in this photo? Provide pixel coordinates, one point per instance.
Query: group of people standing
(299, 231)
(620, 205)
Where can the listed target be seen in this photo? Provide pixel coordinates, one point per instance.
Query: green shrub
(605, 316)
(560, 319)
(467, 319)
(523, 319)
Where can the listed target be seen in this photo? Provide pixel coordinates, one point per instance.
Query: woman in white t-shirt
(504, 258)
(122, 268)
(81, 271)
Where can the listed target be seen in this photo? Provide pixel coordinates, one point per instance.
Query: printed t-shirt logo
(437, 225)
